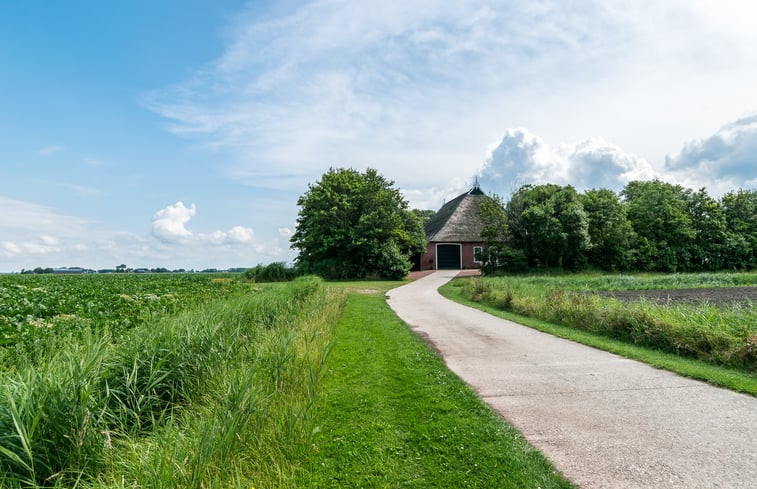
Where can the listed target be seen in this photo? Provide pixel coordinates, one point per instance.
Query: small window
(477, 250)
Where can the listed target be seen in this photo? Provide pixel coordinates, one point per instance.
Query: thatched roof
(458, 220)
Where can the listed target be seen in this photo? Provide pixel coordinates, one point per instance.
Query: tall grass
(215, 396)
(723, 335)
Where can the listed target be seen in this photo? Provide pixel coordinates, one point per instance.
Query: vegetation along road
(603, 420)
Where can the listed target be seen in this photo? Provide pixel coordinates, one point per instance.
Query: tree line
(649, 226)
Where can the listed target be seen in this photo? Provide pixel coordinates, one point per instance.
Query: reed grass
(216, 396)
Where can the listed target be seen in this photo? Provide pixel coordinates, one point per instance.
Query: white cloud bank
(169, 225)
(727, 160)
(418, 88)
(522, 157)
(33, 235)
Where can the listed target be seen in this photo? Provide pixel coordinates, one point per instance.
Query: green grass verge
(688, 367)
(392, 415)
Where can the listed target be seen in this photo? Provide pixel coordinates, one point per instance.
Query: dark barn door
(448, 256)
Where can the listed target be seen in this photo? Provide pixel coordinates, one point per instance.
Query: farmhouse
(454, 234)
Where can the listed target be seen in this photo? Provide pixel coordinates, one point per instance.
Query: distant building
(453, 234)
(70, 270)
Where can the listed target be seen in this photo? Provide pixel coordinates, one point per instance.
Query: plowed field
(712, 295)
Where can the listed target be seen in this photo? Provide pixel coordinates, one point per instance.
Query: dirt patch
(366, 291)
(712, 295)
(416, 275)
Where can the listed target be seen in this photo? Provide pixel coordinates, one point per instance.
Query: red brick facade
(429, 259)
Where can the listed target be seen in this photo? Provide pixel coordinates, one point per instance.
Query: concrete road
(603, 420)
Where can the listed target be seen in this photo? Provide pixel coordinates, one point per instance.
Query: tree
(609, 229)
(658, 212)
(740, 208)
(423, 215)
(707, 252)
(549, 224)
(354, 224)
(497, 252)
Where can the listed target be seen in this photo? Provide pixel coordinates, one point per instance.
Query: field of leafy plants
(36, 306)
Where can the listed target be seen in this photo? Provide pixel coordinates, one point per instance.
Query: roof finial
(476, 190)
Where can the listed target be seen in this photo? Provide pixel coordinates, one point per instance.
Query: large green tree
(354, 224)
(708, 249)
(659, 214)
(609, 229)
(550, 225)
(740, 208)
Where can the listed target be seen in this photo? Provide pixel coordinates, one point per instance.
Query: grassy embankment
(717, 344)
(392, 415)
(220, 395)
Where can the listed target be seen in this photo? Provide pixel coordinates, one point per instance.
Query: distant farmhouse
(454, 234)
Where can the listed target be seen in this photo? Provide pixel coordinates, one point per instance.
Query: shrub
(273, 272)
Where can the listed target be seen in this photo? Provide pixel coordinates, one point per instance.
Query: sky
(180, 133)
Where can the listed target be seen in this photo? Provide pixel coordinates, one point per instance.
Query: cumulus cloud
(169, 225)
(522, 157)
(42, 245)
(240, 234)
(724, 161)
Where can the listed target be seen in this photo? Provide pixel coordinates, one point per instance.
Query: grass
(734, 379)
(723, 335)
(392, 415)
(217, 396)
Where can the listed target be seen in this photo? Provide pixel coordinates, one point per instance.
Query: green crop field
(36, 306)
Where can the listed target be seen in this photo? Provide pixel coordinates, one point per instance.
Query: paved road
(604, 421)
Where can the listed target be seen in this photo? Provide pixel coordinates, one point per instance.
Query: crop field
(710, 317)
(34, 305)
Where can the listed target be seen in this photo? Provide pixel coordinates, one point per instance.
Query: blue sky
(180, 133)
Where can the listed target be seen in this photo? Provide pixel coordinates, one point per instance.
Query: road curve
(604, 421)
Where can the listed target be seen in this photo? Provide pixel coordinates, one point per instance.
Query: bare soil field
(712, 295)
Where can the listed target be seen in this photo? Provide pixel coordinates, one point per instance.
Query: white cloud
(413, 88)
(418, 88)
(240, 234)
(33, 235)
(34, 219)
(168, 223)
(727, 160)
(522, 157)
(285, 233)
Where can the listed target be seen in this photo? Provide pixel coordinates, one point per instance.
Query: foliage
(650, 226)
(740, 210)
(609, 230)
(658, 213)
(273, 272)
(549, 224)
(423, 215)
(220, 392)
(35, 307)
(722, 335)
(355, 224)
